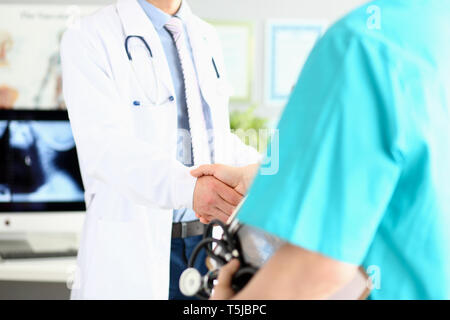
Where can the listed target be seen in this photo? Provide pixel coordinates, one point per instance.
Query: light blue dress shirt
(184, 149)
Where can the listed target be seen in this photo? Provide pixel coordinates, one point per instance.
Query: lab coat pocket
(155, 124)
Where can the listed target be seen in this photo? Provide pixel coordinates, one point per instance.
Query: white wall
(259, 11)
(256, 11)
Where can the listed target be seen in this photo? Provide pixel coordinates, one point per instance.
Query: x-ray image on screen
(38, 162)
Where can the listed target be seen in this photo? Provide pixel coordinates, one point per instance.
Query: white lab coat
(127, 154)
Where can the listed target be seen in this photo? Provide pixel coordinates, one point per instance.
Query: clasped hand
(219, 189)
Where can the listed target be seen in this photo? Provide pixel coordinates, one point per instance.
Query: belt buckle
(184, 230)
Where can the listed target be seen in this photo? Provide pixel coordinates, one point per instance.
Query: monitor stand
(15, 245)
(26, 244)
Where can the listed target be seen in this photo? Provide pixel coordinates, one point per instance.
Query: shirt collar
(159, 18)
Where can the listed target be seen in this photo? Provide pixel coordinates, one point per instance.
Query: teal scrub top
(364, 150)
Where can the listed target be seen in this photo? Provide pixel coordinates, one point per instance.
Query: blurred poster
(237, 42)
(288, 44)
(30, 72)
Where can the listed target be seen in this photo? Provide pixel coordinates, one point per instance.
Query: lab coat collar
(200, 50)
(184, 13)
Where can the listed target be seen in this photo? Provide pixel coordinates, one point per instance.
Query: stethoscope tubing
(127, 39)
(147, 46)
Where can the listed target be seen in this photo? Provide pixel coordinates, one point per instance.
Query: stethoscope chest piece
(190, 282)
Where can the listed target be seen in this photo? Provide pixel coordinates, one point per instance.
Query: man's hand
(8, 97)
(239, 178)
(291, 273)
(214, 199)
(222, 290)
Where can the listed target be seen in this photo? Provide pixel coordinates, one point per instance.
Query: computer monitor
(40, 182)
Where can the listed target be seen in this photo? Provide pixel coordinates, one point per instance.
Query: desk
(36, 278)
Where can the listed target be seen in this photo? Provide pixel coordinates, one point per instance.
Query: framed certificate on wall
(288, 44)
(237, 40)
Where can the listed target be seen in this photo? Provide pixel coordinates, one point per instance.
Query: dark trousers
(181, 250)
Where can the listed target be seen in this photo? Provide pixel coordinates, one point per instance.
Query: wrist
(249, 173)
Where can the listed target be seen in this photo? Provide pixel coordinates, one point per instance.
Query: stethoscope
(157, 100)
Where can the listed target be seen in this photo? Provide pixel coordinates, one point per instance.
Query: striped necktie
(197, 122)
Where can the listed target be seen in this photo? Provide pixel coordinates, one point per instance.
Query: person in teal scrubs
(364, 171)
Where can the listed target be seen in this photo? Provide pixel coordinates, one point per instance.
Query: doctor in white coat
(136, 101)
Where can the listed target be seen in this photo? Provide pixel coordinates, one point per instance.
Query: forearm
(294, 273)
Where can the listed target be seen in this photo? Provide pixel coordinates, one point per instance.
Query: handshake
(219, 189)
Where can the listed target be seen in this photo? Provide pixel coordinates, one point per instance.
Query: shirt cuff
(183, 188)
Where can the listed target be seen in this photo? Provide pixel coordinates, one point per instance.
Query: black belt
(187, 229)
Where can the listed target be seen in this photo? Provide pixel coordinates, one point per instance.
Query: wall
(256, 11)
